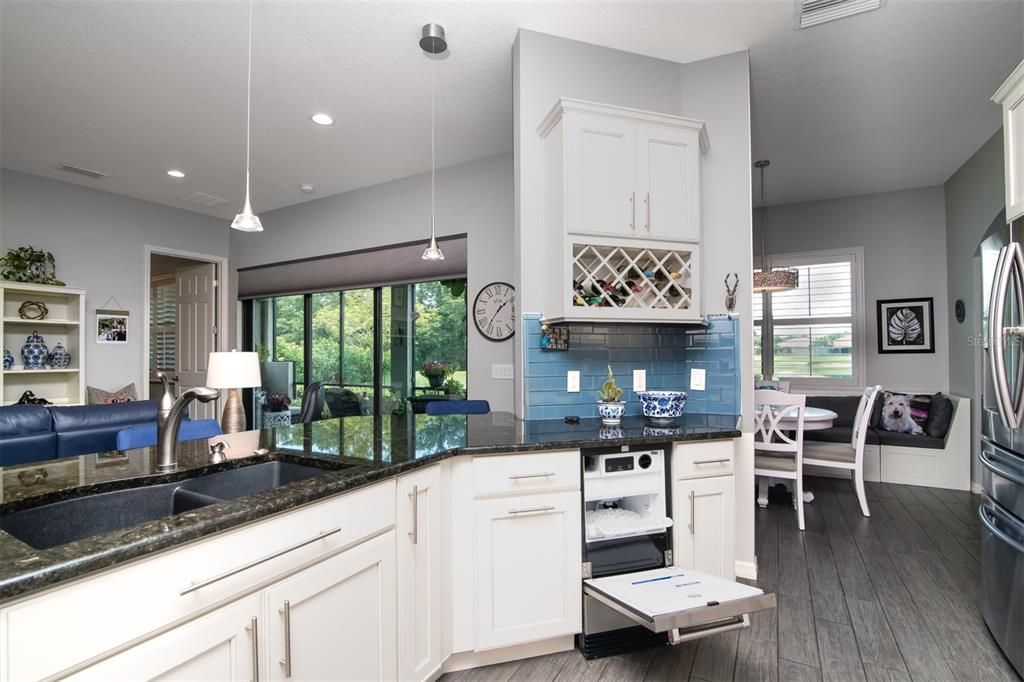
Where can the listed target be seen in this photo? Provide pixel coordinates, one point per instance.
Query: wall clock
(494, 311)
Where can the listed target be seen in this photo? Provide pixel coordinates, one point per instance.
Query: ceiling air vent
(82, 171)
(813, 12)
(201, 199)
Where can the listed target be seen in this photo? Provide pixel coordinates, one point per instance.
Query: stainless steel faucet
(166, 400)
(167, 432)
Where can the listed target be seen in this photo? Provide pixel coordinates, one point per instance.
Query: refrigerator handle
(1017, 275)
(997, 301)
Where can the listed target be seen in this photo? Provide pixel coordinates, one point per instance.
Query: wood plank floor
(890, 597)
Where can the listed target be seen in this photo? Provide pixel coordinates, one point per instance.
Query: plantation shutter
(162, 326)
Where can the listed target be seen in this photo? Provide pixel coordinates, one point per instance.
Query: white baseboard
(476, 659)
(746, 569)
(976, 488)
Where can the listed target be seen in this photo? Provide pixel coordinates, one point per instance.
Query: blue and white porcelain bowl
(611, 413)
(662, 406)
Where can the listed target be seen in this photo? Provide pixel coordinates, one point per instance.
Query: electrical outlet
(572, 381)
(697, 379)
(502, 372)
(639, 379)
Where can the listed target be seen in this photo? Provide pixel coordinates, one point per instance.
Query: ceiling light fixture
(175, 173)
(322, 119)
(771, 280)
(247, 221)
(308, 189)
(433, 42)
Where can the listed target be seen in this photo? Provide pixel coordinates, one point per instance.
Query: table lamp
(233, 370)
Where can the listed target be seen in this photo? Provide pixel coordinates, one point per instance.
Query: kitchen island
(347, 507)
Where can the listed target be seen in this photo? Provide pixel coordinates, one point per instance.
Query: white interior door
(196, 289)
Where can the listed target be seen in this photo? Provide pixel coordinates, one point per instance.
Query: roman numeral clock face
(494, 311)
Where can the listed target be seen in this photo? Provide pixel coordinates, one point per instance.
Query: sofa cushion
(940, 417)
(30, 447)
(909, 440)
(83, 429)
(20, 420)
(840, 434)
(845, 406)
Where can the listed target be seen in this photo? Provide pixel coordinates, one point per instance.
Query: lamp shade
(233, 370)
(772, 281)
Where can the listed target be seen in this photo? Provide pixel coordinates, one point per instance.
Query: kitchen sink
(58, 523)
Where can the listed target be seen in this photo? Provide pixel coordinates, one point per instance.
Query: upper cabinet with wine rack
(622, 214)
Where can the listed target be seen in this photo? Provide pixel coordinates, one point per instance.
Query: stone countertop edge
(25, 570)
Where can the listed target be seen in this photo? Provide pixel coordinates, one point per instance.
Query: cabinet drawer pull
(545, 474)
(632, 210)
(254, 628)
(286, 611)
(724, 460)
(647, 203)
(530, 510)
(256, 562)
(693, 510)
(415, 533)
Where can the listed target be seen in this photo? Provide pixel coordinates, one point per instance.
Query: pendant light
(247, 221)
(771, 280)
(433, 42)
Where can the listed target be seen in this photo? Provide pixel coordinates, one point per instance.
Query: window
(816, 330)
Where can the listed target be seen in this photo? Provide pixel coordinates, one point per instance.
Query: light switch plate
(502, 372)
(639, 379)
(572, 381)
(697, 379)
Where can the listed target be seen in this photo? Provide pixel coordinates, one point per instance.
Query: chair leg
(858, 483)
(798, 500)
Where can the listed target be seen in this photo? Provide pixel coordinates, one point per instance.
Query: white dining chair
(779, 441)
(851, 460)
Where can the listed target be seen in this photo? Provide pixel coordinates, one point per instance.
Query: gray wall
(474, 198)
(99, 240)
(902, 234)
(974, 198)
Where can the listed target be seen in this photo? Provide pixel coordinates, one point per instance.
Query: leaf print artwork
(904, 327)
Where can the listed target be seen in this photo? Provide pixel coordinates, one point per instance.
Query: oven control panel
(623, 464)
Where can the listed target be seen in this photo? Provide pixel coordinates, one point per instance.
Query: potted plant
(276, 412)
(26, 264)
(609, 406)
(436, 371)
(453, 387)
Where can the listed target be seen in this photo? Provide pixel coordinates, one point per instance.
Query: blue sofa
(30, 433)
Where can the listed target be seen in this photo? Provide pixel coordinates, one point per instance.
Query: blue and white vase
(273, 420)
(59, 357)
(611, 413)
(8, 359)
(34, 353)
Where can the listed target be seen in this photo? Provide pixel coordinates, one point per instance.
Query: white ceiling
(891, 99)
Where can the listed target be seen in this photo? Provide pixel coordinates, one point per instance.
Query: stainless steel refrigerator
(1002, 442)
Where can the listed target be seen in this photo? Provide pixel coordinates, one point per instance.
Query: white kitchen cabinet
(1011, 97)
(528, 568)
(336, 620)
(703, 531)
(419, 538)
(222, 645)
(600, 175)
(668, 182)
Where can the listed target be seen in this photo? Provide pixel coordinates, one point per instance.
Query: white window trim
(856, 255)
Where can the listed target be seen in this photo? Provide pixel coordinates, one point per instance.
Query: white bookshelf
(64, 324)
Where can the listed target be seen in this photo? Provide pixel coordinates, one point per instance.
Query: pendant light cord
(763, 260)
(433, 160)
(248, 106)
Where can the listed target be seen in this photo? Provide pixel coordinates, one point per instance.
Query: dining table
(815, 419)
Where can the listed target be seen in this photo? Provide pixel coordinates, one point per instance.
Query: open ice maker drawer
(685, 604)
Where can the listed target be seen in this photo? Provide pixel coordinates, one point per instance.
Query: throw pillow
(940, 416)
(904, 413)
(97, 396)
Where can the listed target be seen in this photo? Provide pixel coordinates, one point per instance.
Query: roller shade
(398, 264)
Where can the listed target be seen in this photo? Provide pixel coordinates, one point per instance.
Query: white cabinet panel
(705, 509)
(601, 175)
(218, 646)
(1011, 96)
(337, 619)
(419, 590)
(528, 568)
(668, 183)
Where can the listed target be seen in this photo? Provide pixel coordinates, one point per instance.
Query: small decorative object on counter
(554, 338)
(730, 291)
(60, 358)
(436, 371)
(26, 264)
(8, 359)
(34, 353)
(33, 310)
(276, 412)
(661, 407)
(610, 408)
(29, 398)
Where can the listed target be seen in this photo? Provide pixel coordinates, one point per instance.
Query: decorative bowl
(662, 405)
(611, 413)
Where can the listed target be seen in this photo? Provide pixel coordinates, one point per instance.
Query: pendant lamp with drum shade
(771, 280)
(433, 42)
(247, 221)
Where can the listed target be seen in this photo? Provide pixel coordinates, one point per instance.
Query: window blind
(163, 331)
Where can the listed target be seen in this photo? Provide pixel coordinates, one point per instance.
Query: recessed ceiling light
(322, 119)
(175, 173)
(308, 189)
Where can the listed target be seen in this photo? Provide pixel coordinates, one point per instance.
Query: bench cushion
(909, 440)
(840, 434)
(845, 406)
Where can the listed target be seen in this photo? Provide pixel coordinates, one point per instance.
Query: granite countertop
(356, 451)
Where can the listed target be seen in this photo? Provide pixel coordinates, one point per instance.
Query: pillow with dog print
(97, 396)
(904, 413)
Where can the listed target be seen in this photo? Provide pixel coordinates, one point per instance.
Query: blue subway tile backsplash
(666, 352)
